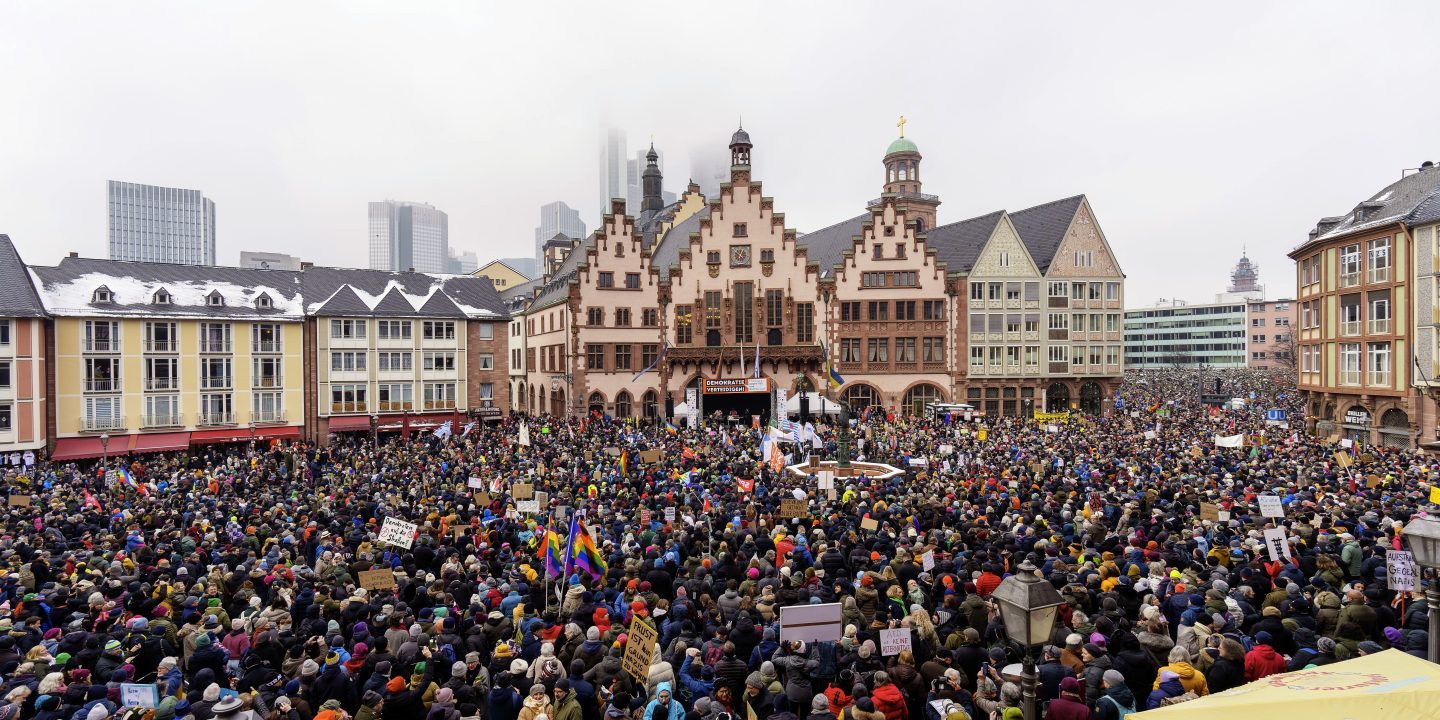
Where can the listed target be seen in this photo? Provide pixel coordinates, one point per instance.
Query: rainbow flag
(129, 479)
(670, 428)
(586, 555)
(554, 555)
(625, 463)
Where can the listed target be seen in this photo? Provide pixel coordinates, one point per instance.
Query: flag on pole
(757, 360)
(624, 462)
(670, 428)
(468, 427)
(129, 479)
(91, 501)
(746, 485)
(444, 430)
(831, 374)
(587, 557)
(554, 554)
(653, 363)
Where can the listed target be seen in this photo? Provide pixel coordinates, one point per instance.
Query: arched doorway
(651, 404)
(921, 395)
(1057, 397)
(859, 397)
(597, 403)
(520, 393)
(1395, 429)
(1091, 398)
(622, 404)
(557, 403)
(539, 409)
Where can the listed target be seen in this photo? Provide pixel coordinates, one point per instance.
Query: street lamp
(105, 449)
(252, 435)
(1028, 606)
(375, 431)
(1422, 535)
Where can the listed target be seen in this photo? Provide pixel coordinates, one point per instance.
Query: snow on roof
(134, 296)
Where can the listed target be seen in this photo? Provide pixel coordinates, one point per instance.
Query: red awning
(159, 442)
(277, 433)
(220, 435)
(78, 449)
(348, 423)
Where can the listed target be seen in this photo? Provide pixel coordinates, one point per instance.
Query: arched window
(651, 403)
(622, 404)
(859, 397)
(920, 396)
(597, 403)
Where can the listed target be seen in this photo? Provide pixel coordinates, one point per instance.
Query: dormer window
(263, 302)
(215, 299)
(162, 297)
(102, 295)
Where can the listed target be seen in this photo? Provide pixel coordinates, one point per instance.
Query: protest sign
(1270, 506)
(869, 524)
(1276, 544)
(528, 506)
(397, 532)
(377, 579)
(475, 482)
(892, 642)
(810, 623)
(522, 491)
(791, 508)
(19, 500)
(670, 514)
(145, 695)
(927, 561)
(1400, 570)
(650, 456)
(639, 650)
(1209, 511)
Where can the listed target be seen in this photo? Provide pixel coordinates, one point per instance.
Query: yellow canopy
(1388, 685)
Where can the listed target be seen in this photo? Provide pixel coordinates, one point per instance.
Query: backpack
(714, 653)
(1177, 699)
(1123, 711)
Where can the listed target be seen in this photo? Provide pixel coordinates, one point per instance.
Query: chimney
(306, 265)
(74, 254)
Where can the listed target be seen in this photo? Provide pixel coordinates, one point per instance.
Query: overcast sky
(1194, 128)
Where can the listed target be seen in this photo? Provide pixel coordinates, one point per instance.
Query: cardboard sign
(19, 500)
(1343, 459)
(811, 623)
(483, 499)
(639, 650)
(1400, 570)
(892, 642)
(612, 451)
(528, 506)
(947, 449)
(589, 455)
(1038, 468)
(1210, 511)
(927, 561)
(650, 456)
(543, 498)
(827, 480)
(869, 524)
(138, 695)
(1276, 544)
(1270, 506)
(791, 508)
(1435, 495)
(645, 516)
(397, 532)
(1373, 481)
(377, 579)
(522, 491)
(475, 482)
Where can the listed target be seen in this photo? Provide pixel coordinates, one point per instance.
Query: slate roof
(666, 253)
(68, 289)
(827, 245)
(17, 294)
(958, 244)
(1393, 203)
(383, 293)
(1426, 212)
(1042, 228)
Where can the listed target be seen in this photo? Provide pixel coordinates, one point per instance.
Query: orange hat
(395, 685)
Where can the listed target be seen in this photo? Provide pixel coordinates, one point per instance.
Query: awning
(242, 434)
(159, 442)
(349, 423)
(77, 449)
(282, 432)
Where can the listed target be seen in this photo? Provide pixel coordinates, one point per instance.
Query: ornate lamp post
(1422, 535)
(375, 431)
(1028, 606)
(842, 438)
(105, 449)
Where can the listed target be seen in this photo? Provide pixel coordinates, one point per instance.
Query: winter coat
(1108, 706)
(889, 700)
(1067, 707)
(1224, 674)
(1165, 690)
(1190, 678)
(1262, 661)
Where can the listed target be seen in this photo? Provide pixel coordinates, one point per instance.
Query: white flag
(525, 434)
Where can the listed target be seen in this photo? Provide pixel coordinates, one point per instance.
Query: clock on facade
(739, 256)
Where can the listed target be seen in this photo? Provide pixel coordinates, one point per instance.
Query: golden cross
(901, 125)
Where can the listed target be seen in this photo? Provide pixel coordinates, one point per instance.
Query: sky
(1195, 129)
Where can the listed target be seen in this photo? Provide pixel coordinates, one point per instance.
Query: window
(877, 251)
(1378, 254)
(347, 361)
(1377, 361)
(1012, 356)
(265, 338)
(1012, 292)
(214, 337)
(486, 331)
(162, 373)
(739, 230)
(1032, 355)
(1059, 353)
(1095, 353)
(622, 317)
(907, 279)
(161, 337)
(102, 374)
(485, 361)
(1350, 312)
(622, 356)
(215, 373)
(162, 410)
(1084, 258)
(744, 313)
(594, 356)
(102, 295)
(977, 292)
(873, 279)
(267, 407)
(102, 336)
(395, 396)
(1032, 323)
(878, 310)
(1112, 355)
(215, 299)
(486, 391)
(1112, 291)
(1059, 321)
(595, 316)
(899, 249)
(394, 362)
(4, 373)
(650, 317)
(1257, 322)
(347, 329)
(932, 309)
(347, 398)
(437, 330)
(4, 332)
(977, 356)
(162, 297)
(805, 322)
(648, 354)
(1059, 289)
(712, 309)
(879, 350)
(606, 280)
(934, 348)
(1379, 312)
(1077, 291)
(767, 255)
(267, 372)
(849, 350)
(393, 329)
(1350, 363)
(712, 257)
(1350, 265)
(684, 333)
(905, 350)
(439, 396)
(1012, 323)
(1112, 322)
(444, 361)
(262, 302)
(774, 308)
(904, 309)
(994, 291)
(1004, 259)
(850, 311)
(632, 281)
(1095, 320)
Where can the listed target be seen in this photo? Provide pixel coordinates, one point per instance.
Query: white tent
(819, 405)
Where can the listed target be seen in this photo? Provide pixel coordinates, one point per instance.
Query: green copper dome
(901, 145)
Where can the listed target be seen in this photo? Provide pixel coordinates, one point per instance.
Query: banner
(397, 532)
(377, 579)
(1230, 441)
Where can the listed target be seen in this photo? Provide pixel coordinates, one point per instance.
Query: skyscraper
(408, 235)
(709, 166)
(160, 224)
(612, 169)
(557, 217)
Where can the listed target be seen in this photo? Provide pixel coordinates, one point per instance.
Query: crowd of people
(227, 584)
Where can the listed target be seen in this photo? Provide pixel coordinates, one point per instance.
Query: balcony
(439, 404)
(268, 417)
(267, 382)
(339, 408)
(270, 346)
(161, 420)
(102, 346)
(216, 382)
(102, 385)
(214, 346)
(161, 346)
(216, 418)
(162, 383)
(1380, 326)
(102, 423)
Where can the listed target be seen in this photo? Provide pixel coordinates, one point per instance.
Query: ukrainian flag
(836, 379)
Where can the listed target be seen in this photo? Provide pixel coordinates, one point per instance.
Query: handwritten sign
(893, 642)
(791, 508)
(1270, 506)
(639, 650)
(1400, 570)
(670, 514)
(1210, 511)
(19, 500)
(522, 491)
(482, 499)
(645, 516)
(1343, 459)
(1276, 544)
(528, 506)
(397, 532)
(827, 479)
(377, 579)
(869, 524)
(650, 456)
(139, 695)
(475, 482)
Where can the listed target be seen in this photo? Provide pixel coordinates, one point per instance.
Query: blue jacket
(696, 687)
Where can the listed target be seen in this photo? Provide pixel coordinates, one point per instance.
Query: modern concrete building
(556, 218)
(268, 261)
(1364, 292)
(1174, 334)
(149, 223)
(462, 263)
(408, 236)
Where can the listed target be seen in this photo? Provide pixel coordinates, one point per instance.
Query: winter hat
(754, 680)
(99, 712)
(444, 695)
(819, 703)
(395, 685)
(1393, 636)
(1094, 650)
(459, 669)
(1169, 675)
(1263, 638)
(1325, 645)
(309, 667)
(211, 694)
(865, 704)
(1070, 684)
(563, 684)
(593, 634)
(229, 705)
(1113, 678)
(202, 641)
